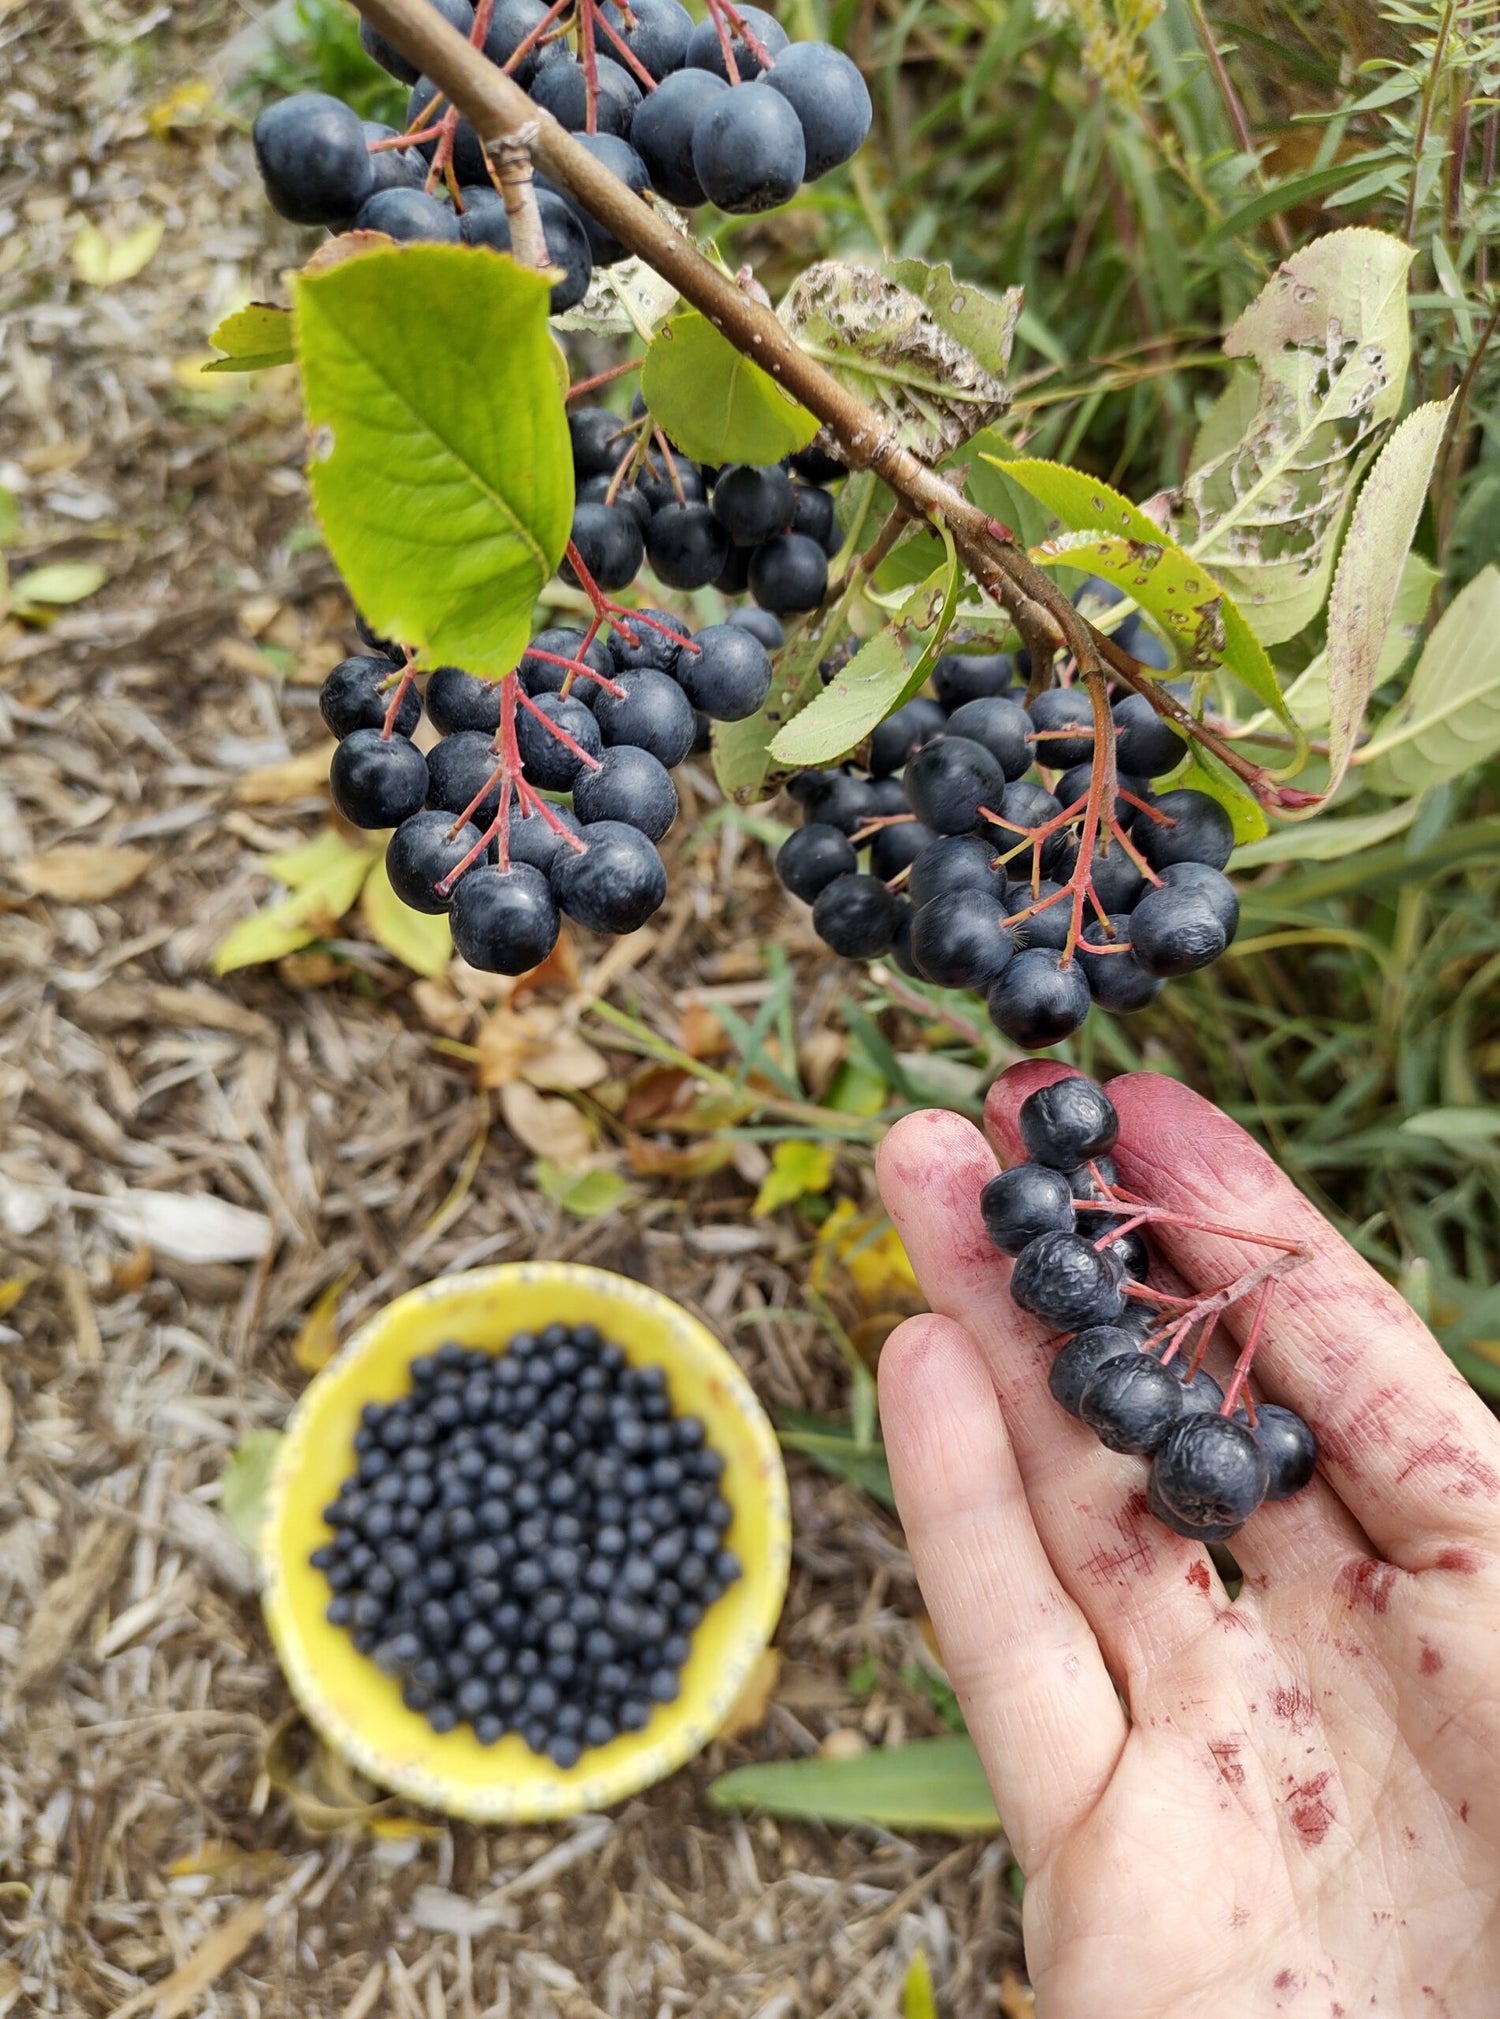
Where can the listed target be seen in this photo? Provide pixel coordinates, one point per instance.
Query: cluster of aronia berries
(1000, 859)
(726, 111)
(1127, 1362)
(529, 1539)
(546, 791)
(766, 527)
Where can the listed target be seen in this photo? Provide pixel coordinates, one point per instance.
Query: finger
(1038, 1700)
(1410, 1448)
(1288, 1539)
(1144, 1591)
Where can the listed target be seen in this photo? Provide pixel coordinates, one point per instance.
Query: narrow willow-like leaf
(931, 1784)
(441, 469)
(1448, 721)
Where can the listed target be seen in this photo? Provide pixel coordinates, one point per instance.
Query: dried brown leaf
(82, 873)
(294, 778)
(64, 1609)
(547, 1125)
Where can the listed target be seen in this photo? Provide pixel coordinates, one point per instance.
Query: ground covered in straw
(171, 1838)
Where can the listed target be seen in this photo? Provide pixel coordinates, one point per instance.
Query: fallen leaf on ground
(80, 873)
(14, 1288)
(797, 1168)
(189, 1226)
(104, 260)
(547, 1126)
(318, 1340)
(243, 1487)
(531, 1045)
(293, 778)
(64, 1609)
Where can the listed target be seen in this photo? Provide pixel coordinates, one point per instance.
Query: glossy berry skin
(410, 216)
(762, 624)
(544, 676)
(457, 700)
(376, 783)
(561, 88)
(1002, 726)
(949, 780)
(1084, 1354)
(655, 716)
(1202, 1395)
(838, 798)
(958, 677)
(816, 465)
(894, 741)
(605, 491)
(510, 24)
(954, 862)
(424, 850)
(1027, 805)
(460, 769)
(1209, 883)
(622, 161)
(610, 540)
(829, 97)
(487, 222)
(789, 574)
(1063, 1280)
(1175, 932)
(959, 942)
(1069, 1123)
(811, 857)
(1116, 880)
(531, 838)
(1208, 1477)
(310, 150)
(630, 786)
(662, 133)
(547, 761)
(598, 440)
(748, 151)
(504, 921)
(753, 501)
(1117, 981)
(351, 697)
(677, 482)
(895, 848)
(1067, 709)
(1201, 831)
(1037, 1000)
(705, 52)
(392, 167)
(615, 884)
(1131, 1402)
(658, 36)
(1290, 1447)
(1023, 1202)
(423, 109)
(813, 513)
(1145, 742)
(855, 915)
(457, 13)
(730, 677)
(655, 649)
(686, 546)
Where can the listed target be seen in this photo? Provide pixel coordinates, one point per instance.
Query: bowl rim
(644, 1759)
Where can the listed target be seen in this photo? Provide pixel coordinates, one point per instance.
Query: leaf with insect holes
(245, 1483)
(253, 339)
(420, 940)
(715, 404)
(630, 299)
(909, 356)
(928, 1784)
(1277, 458)
(1369, 575)
(886, 670)
(445, 491)
(1448, 721)
(1131, 551)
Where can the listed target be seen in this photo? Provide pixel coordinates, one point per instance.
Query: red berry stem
(589, 385)
(556, 729)
(623, 50)
(405, 681)
(723, 10)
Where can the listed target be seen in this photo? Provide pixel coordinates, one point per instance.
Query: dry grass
(170, 1838)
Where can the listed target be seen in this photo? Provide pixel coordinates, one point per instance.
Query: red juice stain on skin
(1463, 1812)
(1198, 1576)
(1288, 1983)
(1226, 1757)
(1293, 1706)
(1311, 1812)
(1106, 1565)
(1462, 1562)
(1431, 1662)
(1411, 1840)
(1368, 1584)
(1472, 1478)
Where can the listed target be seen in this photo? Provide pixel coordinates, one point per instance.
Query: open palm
(1285, 1803)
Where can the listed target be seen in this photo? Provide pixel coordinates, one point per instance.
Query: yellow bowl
(356, 1707)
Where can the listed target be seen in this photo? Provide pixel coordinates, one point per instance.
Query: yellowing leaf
(60, 583)
(585, 1194)
(420, 940)
(79, 873)
(254, 339)
(185, 107)
(547, 1126)
(105, 261)
(14, 1288)
(309, 914)
(796, 1168)
(870, 1249)
(326, 852)
(318, 1340)
(247, 1476)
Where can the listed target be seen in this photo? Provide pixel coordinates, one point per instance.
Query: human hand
(1296, 1807)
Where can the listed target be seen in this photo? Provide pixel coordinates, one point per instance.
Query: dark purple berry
(958, 677)
(1197, 829)
(1023, 1202)
(811, 857)
(457, 700)
(1068, 1123)
(627, 785)
(1037, 1001)
(789, 574)
(949, 780)
(855, 915)
(1130, 1403)
(1290, 1447)
(1175, 931)
(615, 884)
(1208, 1477)
(1144, 741)
(377, 782)
(1064, 1280)
(958, 941)
(422, 851)
(355, 696)
(1079, 1360)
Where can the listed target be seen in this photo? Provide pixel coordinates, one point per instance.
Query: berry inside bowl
(356, 1706)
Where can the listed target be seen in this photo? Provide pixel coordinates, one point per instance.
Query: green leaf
(985, 324)
(797, 1167)
(1204, 773)
(1369, 574)
(931, 1784)
(1283, 196)
(917, 1999)
(1277, 460)
(10, 516)
(420, 940)
(1460, 1128)
(327, 852)
(837, 1450)
(1448, 721)
(886, 670)
(715, 404)
(441, 468)
(1327, 840)
(908, 357)
(742, 755)
(294, 922)
(59, 583)
(585, 1194)
(254, 339)
(245, 1482)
